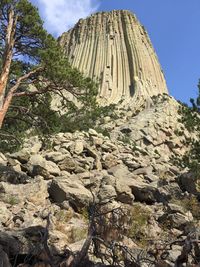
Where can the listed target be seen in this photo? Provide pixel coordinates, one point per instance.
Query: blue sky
(173, 26)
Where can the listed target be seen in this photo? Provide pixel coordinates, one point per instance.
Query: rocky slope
(131, 170)
(114, 49)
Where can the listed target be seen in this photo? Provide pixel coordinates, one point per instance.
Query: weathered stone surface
(122, 61)
(78, 147)
(67, 164)
(5, 214)
(34, 192)
(3, 160)
(188, 182)
(55, 156)
(34, 145)
(4, 259)
(117, 171)
(38, 165)
(22, 155)
(124, 193)
(8, 174)
(144, 193)
(144, 171)
(107, 192)
(68, 188)
(176, 220)
(109, 161)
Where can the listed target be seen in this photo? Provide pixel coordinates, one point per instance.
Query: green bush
(138, 221)
(190, 117)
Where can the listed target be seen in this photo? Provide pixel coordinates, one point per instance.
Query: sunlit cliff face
(115, 50)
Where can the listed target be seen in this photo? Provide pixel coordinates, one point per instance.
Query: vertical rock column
(114, 49)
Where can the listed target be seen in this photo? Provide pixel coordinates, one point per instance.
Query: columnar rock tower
(115, 50)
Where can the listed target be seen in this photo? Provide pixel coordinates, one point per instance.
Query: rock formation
(115, 50)
(128, 168)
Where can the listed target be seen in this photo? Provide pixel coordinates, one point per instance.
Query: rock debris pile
(129, 170)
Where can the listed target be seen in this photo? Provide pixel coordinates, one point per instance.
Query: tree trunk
(4, 109)
(7, 56)
(7, 100)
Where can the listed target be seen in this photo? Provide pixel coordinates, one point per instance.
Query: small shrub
(84, 213)
(138, 220)
(64, 215)
(77, 234)
(103, 131)
(12, 200)
(190, 203)
(125, 139)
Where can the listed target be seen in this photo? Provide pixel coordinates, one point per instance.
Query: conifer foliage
(32, 66)
(190, 117)
(31, 56)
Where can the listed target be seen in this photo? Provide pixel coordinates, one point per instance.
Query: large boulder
(9, 175)
(188, 182)
(34, 192)
(144, 192)
(71, 189)
(38, 165)
(68, 164)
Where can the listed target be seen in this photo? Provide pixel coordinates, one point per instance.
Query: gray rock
(178, 220)
(93, 153)
(97, 141)
(37, 160)
(34, 192)
(33, 145)
(8, 174)
(108, 146)
(175, 220)
(77, 147)
(151, 177)
(5, 214)
(69, 189)
(37, 165)
(187, 182)
(109, 161)
(68, 164)
(174, 253)
(173, 208)
(124, 193)
(22, 155)
(3, 159)
(132, 164)
(106, 193)
(144, 192)
(119, 171)
(169, 191)
(145, 171)
(93, 132)
(55, 156)
(52, 168)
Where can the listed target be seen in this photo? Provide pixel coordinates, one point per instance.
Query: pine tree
(190, 117)
(31, 56)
